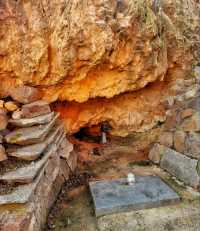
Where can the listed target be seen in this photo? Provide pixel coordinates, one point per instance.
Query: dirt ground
(73, 210)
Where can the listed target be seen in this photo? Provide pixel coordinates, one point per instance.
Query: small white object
(131, 179)
(103, 137)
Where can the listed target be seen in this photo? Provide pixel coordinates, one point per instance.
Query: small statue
(105, 128)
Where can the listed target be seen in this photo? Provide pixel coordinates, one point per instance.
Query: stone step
(28, 174)
(31, 212)
(177, 164)
(34, 151)
(22, 193)
(39, 120)
(32, 135)
(35, 109)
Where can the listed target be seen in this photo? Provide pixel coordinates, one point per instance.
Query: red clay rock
(25, 94)
(34, 109)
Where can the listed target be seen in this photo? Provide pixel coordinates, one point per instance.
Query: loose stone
(35, 109)
(11, 106)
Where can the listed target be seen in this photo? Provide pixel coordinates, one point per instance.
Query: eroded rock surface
(80, 50)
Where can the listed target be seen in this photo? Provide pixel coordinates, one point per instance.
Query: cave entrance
(94, 134)
(90, 141)
(89, 134)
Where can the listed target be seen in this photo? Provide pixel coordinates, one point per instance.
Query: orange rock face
(80, 50)
(131, 112)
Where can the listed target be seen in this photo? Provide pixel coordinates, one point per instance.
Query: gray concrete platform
(117, 196)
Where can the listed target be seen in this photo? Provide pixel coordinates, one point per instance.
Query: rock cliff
(94, 55)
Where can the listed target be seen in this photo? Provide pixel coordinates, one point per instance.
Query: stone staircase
(36, 159)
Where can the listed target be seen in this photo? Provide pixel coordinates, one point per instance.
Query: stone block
(166, 139)
(117, 196)
(181, 166)
(35, 109)
(179, 141)
(192, 123)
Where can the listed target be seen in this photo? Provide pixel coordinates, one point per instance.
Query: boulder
(25, 94)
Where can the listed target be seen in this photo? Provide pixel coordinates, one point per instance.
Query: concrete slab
(116, 196)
